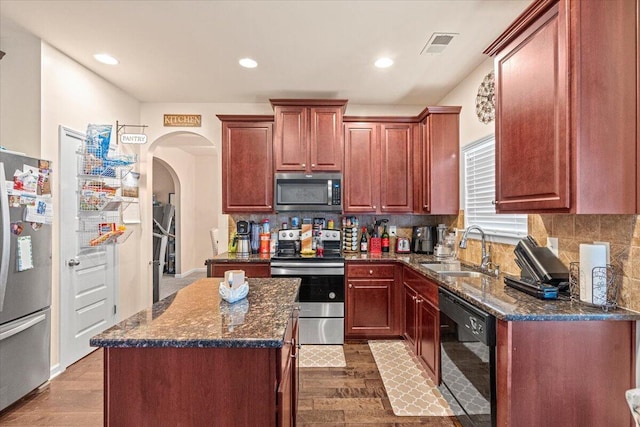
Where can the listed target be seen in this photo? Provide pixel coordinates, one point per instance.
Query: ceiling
(188, 51)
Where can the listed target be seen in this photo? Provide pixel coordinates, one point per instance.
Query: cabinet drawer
(250, 269)
(370, 270)
(425, 287)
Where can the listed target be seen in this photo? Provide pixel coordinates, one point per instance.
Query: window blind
(480, 191)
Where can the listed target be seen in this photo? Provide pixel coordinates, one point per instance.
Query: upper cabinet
(436, 173)
(566, 109)
(247, 163)
(378, 176)
(308, 135)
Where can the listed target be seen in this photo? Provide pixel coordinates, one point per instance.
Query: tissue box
(235, 277)
(233, 294)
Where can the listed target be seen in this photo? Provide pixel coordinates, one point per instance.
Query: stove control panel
(284, 235)
(329, 235)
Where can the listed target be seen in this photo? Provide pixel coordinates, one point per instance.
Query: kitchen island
(194, 359)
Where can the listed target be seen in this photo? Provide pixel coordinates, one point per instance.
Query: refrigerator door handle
(6, 234)
(4, 334)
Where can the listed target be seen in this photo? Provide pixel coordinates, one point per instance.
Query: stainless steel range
(321, 293)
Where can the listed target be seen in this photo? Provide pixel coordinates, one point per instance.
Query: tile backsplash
(621, 231)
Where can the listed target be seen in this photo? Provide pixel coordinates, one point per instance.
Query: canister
(265, 226)
(265, 243)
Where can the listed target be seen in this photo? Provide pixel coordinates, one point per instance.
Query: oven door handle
(306, 265)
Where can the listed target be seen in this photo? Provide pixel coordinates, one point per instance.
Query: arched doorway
(184, 168)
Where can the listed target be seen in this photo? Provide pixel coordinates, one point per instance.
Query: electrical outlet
(392, 230)
(552, 244)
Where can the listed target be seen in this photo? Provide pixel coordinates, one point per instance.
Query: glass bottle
(385, 239)
(364, 244)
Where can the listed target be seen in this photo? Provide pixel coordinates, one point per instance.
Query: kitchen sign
(133, 138)
(183, 120)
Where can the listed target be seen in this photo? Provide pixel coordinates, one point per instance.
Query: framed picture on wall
(172, 197)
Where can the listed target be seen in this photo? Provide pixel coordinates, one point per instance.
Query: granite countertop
(493, 296)
(487, 292)
(196, 316)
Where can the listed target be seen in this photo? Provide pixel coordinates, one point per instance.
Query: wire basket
(604, 287)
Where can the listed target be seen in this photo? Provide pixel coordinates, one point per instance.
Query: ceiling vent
(437, 43)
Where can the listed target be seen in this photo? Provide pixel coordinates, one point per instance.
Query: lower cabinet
(373, 301)
(422, 320)
(251, 269)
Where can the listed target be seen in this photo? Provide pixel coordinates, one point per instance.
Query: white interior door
(88, 280)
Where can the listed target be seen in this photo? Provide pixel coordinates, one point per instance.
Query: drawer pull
(370, 272)
(350, 285)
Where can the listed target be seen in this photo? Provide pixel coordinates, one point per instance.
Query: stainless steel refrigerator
(25, 276)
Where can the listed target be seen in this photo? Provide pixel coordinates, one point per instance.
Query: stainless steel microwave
(319, 192)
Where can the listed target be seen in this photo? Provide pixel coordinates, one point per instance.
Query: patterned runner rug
(410, 390)
(322, 356)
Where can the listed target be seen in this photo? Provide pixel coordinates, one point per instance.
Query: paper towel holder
(605, 275)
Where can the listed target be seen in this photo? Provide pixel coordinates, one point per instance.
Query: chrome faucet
(485, 253)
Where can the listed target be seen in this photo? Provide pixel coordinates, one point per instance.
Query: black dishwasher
(467, 355)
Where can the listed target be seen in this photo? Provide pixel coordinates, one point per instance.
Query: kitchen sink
(452, 269)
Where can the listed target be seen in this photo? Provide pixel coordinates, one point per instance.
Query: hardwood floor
(351, 396)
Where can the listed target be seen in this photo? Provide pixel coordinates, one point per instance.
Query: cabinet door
(325, 139)
(369, 304)
(437, 179)
(361, 168)
(429, 338)
(532, 132)
(410, 315)
(291, 138)
(396, 175)
(247, 168)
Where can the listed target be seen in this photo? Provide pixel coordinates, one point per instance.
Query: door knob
(73, 262)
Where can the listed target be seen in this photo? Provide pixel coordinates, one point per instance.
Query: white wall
(471, 129)
(162, 182)
(19, 90)
(74, 97)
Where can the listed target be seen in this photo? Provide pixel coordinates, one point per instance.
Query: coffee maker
(423, 239)
(242, 229)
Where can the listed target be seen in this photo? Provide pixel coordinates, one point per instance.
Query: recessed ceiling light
(384, 63)
(105, 58)
(248, 63)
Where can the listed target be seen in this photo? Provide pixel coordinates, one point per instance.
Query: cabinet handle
(413, 297)
(313, 165)
(419, 301)
(425, 206)
(350, 285)
(370, 272)
(384, 207)
(374, 206)
(495, 202)
(303, 165)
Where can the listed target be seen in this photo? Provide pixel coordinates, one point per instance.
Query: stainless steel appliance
(244, 247)
(423, 239)
(318, 192)
(25, 281)
(467, 357)
(321, 295)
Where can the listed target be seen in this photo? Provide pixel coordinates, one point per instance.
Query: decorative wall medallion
(485, 106)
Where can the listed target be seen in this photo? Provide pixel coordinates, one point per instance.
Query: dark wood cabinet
(372, 301)
(251, 269)
(247, 164)
(287, 393)
(570, 373)
(566, 108)
(422, 320)
(378, 176)
(308, 135)
(436, 171)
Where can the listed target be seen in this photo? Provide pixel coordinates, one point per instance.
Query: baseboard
(55, 370)
(190, 272)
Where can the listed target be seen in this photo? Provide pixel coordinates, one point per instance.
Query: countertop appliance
(321, 295)
(318, 192)
(423, 239)
(244, 248)
(468, 360)
(25, 282)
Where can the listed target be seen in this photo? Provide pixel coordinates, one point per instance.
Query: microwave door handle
(329, 188)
